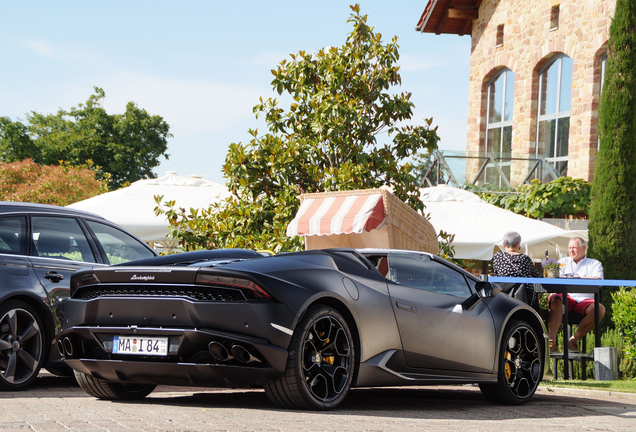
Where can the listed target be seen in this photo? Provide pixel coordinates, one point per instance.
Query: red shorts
(573, 305)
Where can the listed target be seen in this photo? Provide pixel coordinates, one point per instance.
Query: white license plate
(140, 345)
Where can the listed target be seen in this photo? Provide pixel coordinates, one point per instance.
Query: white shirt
(586, 268)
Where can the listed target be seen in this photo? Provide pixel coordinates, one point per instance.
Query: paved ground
(57, 404)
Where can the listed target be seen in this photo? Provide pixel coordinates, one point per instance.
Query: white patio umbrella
(133, 207)
(479, 227)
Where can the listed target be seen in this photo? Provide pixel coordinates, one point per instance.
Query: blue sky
(202, 65)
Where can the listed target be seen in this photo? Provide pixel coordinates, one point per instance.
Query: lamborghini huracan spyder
(306, 326)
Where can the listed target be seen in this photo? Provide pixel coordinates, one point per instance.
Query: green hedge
(624, 318)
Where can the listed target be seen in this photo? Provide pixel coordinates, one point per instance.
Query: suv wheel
(21, 345)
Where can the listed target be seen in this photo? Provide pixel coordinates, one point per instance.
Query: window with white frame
(499, 123)
(553, 126)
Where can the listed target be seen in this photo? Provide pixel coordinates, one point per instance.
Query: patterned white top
(513, 265)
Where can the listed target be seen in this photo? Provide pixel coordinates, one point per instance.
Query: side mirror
(484, 289)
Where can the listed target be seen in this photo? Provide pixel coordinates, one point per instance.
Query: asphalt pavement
(58, 404)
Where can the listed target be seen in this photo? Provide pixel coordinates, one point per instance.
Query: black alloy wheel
(320, 365)
(21, 345)
(520, 366)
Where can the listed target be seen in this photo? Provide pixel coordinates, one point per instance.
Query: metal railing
(491, 168)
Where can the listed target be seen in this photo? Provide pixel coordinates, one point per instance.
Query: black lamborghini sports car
(306, 326)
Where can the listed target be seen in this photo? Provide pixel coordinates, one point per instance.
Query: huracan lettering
(143, 278)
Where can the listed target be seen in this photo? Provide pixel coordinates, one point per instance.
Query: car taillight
(80, 281)
(250, 288)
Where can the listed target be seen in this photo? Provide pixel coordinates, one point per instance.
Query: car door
(16, 273)
(436, 331)
(59, 247)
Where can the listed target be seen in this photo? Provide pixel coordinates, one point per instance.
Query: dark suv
(40, 246)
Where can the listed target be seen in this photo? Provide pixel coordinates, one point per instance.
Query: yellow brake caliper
(508, 370)
(330, 359)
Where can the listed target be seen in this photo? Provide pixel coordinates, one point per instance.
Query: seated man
(577, 265)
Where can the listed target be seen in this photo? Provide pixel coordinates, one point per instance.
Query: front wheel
(320, 364)
(108, 390)
(520, 366)
(21, 345)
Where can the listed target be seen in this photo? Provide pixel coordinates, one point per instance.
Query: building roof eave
(448, 16)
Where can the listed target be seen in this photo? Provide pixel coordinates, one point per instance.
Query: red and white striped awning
(338, 215)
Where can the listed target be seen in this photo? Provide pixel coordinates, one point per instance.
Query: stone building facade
(536, 75)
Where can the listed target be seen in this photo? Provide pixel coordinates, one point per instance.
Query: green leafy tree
(15, 142)
(127, 146)
(328, 139)
(612, 222)
(26, 181)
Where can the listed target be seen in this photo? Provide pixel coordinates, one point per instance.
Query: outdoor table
(566, 286)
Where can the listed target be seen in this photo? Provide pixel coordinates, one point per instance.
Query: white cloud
(76, 56)
(40, 47)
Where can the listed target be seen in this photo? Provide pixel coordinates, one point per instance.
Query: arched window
(603, 66)
(553, 127)
(499, 122)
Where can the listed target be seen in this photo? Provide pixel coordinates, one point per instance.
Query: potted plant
(551, 266)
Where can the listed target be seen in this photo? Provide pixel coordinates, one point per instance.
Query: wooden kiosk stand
(368, 218)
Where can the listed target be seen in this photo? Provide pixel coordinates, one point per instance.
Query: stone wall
(528, 45)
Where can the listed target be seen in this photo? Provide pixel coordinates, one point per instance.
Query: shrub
(61, 185)
(624, 318)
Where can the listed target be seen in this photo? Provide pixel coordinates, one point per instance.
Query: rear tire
(22, 345)
(108, 390)
(320, 364)
(520, 366)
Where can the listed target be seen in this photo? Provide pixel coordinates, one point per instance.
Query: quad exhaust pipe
(243, 355)
(220, 352)
(65, 346)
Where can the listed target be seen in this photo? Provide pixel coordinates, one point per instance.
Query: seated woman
(510, 263)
